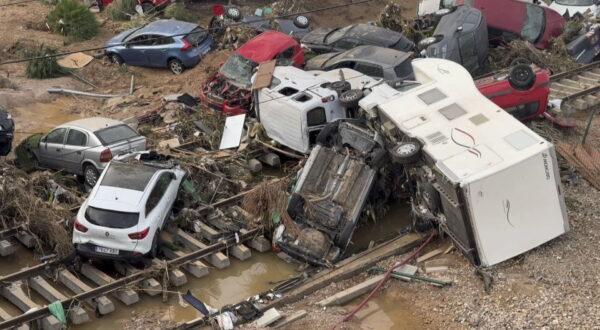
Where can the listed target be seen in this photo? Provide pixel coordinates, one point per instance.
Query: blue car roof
(167, 27)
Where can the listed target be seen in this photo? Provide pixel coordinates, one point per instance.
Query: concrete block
(177, 278)
(218, 259)
(102, 303)
(196, 268)
(407, 269)
(240, 251)
(6, 248)
(260, 243)
(286, 320)
(4, 316)
(207, 232)
(151, 286)
(78, 315)
(41, 286)
(271, 159)
(51, 323)
(268, 318)
(254, 165)
(347, 295)
(15, 294)
(126, 296)
(26, 239)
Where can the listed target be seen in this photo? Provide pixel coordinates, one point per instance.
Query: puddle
(387, 311)
(22, 258)
(221, 287)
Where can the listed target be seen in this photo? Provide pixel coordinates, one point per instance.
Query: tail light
(140, 234)
(186, 45)
(79, 227)
(105, 156)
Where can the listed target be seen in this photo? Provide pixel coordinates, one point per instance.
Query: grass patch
(44, 68)
(121, 10)
(73, 19)
(179, 12)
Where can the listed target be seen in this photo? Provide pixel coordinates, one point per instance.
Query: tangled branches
(267, 199)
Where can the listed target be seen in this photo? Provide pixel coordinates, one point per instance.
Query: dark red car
(511, 19)
(522, 91)
(229, 89)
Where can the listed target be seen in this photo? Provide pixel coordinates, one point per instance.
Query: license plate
(106, 250)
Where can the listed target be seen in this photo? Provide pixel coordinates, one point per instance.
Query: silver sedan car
(84, 147)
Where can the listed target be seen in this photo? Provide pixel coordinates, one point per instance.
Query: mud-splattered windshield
(238, 69)
(337, 34)
(534, 24)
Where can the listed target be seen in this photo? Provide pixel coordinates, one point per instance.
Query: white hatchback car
(122, 217)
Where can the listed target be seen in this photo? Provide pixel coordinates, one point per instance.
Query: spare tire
(521, 77)
(349, 99)
(301, 22)
(340, 86)
(233, 13)
(406, 152)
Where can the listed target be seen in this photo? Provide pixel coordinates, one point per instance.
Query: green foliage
(121, 10)
(72, 18)
(179, 12)
(44, 68)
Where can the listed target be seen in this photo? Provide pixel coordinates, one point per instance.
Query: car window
(524, 110)
(403, 69)
(196, 36)
(158, 191)
(534, 23)
(337, 34)
(56, 136)
(316, 117)
(288, 53)
(164, 40)
(468, 53)
(238, 68)
(126, 176)
(139, 41)
(371, 70)
(343, 64)
(76, 138)
(110, 135)
(110, 218)
(347, 43)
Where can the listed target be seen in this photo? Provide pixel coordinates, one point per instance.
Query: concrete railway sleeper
(579, 88)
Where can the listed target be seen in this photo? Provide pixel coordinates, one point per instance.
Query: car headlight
(427, 42)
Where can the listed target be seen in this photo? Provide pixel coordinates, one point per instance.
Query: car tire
(233, 13)
(154, 248)
(116, 59)
(326, 135)
(176, 66)
(301, 22)
(90, 175)
(420, 223)
(5, 148)
(349, 99)
(521, 77)
(148, 8)
(340, 86)
(406, 152)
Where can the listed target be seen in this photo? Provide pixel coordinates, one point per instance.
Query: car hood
(317, 62)
(118, 39)
(317, 36)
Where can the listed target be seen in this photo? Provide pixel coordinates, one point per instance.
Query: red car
(522, 91)
(511, 19)
(229, 89)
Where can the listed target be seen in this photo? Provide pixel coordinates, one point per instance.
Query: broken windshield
(238, 69)
(336, 35)
(534, 24)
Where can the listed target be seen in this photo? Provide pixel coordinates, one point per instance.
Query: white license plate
(106, 250)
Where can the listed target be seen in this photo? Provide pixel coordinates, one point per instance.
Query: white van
(298, 104)
(486, 179)
(576, 6)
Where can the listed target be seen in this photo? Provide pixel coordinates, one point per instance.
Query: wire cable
(16, 3)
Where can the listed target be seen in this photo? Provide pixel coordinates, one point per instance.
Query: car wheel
(301, 22)
(421, 223)
(154, 249)
(349, 99)
(340, 86)
(5, 148)
(521, 77)
(406, 152)
(90, 175)
(326, 135)
(233, 13)
(148, 8)
(176, 66)
(116, 59)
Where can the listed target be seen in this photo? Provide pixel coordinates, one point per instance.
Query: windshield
(575, 2)
(534, 24)
(128, 176)
(115, 134)
(238, 68)
(111, 219)
(336, 35)
(196, 36)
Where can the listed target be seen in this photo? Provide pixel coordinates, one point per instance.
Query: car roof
(467, 17)
(374, 34)
(303, 80)
(495, 13)
(375, 54)
(265, 46)
(93, 123)
(128, 175)
(167, 27)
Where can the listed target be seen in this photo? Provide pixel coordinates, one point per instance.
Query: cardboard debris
(75, 61)
(264, 75)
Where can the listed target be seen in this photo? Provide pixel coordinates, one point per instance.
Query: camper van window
(302, 97)
(288, 91)
(370, 69)
(316, 117)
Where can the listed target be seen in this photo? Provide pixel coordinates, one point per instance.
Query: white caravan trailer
(489, 181)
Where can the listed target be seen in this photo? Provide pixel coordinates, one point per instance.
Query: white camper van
(485, 178)
(298, 104)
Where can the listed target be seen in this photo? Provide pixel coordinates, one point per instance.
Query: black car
(326, 40)
(586, 47)
(373, 61)
(461, 36)
(7, 130)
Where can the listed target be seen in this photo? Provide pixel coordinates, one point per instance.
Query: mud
(22, 258)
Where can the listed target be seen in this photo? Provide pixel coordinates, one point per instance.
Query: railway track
(579, 88)
(211, 242)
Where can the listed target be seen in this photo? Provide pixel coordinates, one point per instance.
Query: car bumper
(221, 106)
(88, 250)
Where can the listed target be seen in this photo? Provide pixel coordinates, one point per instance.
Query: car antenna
(342, 75)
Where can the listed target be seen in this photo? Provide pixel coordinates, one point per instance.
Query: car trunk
(105, 229)
(121, 140)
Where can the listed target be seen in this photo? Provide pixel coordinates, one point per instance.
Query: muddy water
(221, 287)
(22, 258)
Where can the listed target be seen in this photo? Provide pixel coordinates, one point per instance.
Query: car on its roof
(331, 39)
(533, 23)
(165, 43)
(123, 216)
(229, 89)
(85, 146)
(374, 61)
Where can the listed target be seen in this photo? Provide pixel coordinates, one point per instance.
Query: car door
(156, 50)
(132, 53)
(74, 150)
(51, 147)
(158, 202)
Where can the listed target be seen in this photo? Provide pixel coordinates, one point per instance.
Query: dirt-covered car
(7, 129)
(330, 195)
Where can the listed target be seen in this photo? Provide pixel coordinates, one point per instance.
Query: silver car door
(74, 150)
(51, 147)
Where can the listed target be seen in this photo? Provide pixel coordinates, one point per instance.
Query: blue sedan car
(173, 44)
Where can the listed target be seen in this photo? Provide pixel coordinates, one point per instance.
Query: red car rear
(229, 89)
(511, 19)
